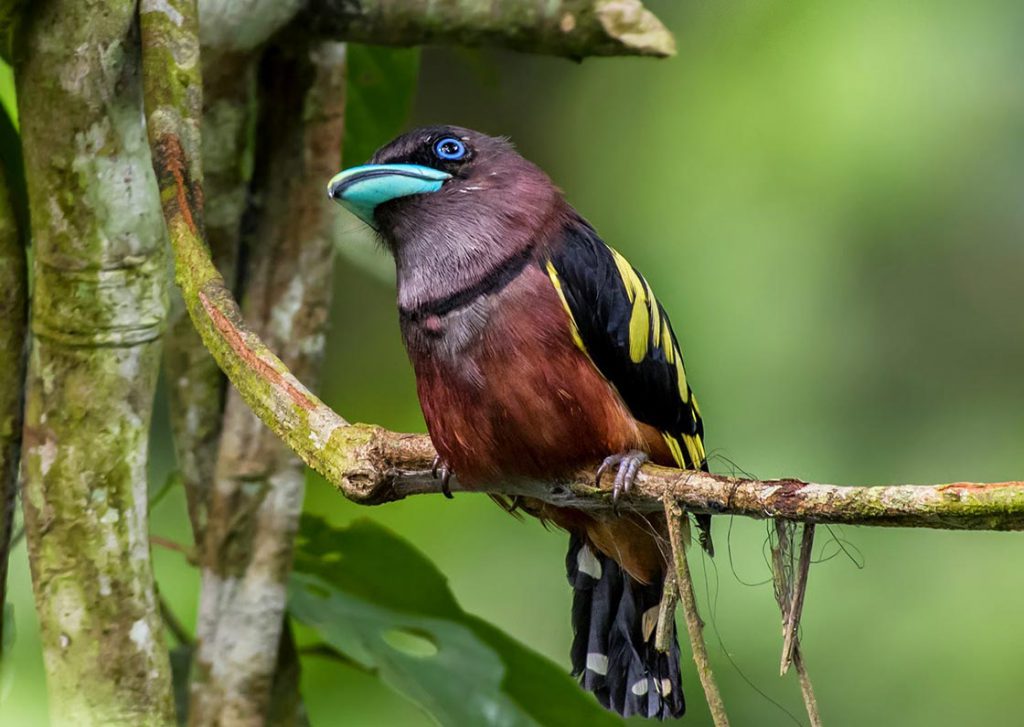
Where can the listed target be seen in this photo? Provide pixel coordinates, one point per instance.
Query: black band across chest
(491, 283)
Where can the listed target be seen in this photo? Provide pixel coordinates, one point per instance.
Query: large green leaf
(379, 602)
(381, 87)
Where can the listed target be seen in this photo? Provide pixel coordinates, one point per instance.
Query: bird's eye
(449, 149)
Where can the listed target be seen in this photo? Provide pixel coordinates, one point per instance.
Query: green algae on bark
(570, 28)
(100, 291)
(255, 506)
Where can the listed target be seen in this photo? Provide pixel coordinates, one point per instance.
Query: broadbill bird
(538, 350)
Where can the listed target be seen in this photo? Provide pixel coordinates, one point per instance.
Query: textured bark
(242, 26)
(100, 301)
(679, 538)
(371, 465)
(571, 28)
(13, 330)
(196, 385)
(255, 507)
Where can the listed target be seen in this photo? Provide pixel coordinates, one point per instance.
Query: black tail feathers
(613, 655)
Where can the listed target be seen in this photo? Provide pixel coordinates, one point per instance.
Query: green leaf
(381, 87)
(381, 603)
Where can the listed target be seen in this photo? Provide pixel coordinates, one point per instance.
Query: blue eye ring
(449, 149)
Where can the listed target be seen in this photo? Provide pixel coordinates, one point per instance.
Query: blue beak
(361, 189)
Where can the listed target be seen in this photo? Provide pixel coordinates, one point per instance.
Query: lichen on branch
(372, 465)
(570, 28)
(256, 503)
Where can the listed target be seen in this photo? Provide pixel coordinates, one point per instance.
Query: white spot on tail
(640, 688)
(664, 688)
(588, 563)
(597, 663)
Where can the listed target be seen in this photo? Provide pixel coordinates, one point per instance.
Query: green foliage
(381, 87)
(383, 605)
(10, 150)
(11, 15)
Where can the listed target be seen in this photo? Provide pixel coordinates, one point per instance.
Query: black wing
(620, 325)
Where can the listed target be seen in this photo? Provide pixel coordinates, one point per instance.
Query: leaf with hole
(379, 602)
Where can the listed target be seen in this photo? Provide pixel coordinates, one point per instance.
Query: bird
(538, 350)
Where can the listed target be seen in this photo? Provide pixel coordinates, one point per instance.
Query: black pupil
(451, 148)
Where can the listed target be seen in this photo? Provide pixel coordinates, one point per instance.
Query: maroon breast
(520, 398)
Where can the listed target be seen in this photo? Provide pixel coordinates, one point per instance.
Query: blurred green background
(828, 198)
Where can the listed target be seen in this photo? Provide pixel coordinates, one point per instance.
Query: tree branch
(371, 465)
(679, 537)
(571, 28)
(255, 506)
(196, 386)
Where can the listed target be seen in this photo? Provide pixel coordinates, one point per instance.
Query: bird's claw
(439, 468)
(628, 465)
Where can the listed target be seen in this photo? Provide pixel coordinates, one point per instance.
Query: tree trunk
(100, 301)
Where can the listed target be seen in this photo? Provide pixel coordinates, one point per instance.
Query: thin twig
(173, 623)
(789, 594)
(694, 625)
(168, 544)
(791, 619)
(665, 633)
(806, 688)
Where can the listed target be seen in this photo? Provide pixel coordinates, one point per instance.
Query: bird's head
(445, 181)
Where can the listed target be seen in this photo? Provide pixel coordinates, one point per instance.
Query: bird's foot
(440, 469)
(628, 464)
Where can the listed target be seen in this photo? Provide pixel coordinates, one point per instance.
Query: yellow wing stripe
(673, 447)
(574, 329)
(655, 314)
(695, 449)
(670, 349)
(684, 390)
(640, 318)
(694, 457)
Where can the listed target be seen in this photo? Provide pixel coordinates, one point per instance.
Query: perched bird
(539, 350)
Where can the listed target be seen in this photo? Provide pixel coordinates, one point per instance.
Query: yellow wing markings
(646, 323)
(694, 456)
(574, 329)
(647, 327)
(640, 317)
(656, 327)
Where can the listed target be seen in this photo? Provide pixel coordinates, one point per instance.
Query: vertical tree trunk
(100, 301)
(255, 506)
(13, 323)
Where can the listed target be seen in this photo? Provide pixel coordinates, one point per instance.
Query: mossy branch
(371, 465)
(570, 28)
(255, 506)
